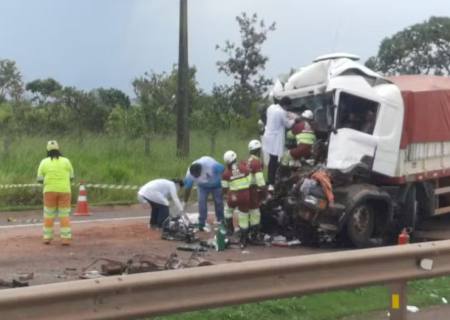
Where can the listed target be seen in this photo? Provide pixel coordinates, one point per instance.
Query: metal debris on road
(141, 263)
(14, 283)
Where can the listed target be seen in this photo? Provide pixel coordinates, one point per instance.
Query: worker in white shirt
(277, 122)
(156, 193)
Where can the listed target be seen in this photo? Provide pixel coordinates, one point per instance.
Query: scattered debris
(292, 243)
(143, 263)
(25, 276)
(11, 219)
(412, 309)
(197, 261)
(91, 274)
(444, 301)
(174, 262)
(14, 283)
(192, 247)
(178, 229)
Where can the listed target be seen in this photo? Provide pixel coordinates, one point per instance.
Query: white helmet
(308, 114)
(229, 157)
(254, 145)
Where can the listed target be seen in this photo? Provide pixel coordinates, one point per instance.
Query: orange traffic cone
(82, 203)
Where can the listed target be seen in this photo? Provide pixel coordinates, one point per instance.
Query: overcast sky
(107, 43)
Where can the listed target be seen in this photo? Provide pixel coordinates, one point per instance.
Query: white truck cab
(371, 121)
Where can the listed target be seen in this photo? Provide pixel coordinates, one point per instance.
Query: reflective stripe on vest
(240, 184)
(259, 177)
(305, 138)
(225, 184)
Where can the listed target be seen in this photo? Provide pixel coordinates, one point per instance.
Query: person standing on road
(274, 134)
(56, 172)
(206, 173)
(257, 188)
(156, 193)
(236, 185)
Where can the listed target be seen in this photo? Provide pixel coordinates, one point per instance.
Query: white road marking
(75, 222)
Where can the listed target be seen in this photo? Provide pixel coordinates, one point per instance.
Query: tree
(11, 85)
(423, 48)
(212, 113)
(245, 62)
(156, 98)
(43, 89)
(111, 98)
(156, 94)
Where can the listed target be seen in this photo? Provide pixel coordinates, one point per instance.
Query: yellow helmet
(52, 145)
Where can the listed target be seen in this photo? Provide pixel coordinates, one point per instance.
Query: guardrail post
(398, 300)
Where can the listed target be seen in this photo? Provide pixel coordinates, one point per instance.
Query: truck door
(352, 141)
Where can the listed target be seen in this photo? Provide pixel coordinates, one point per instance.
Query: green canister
(220, 237)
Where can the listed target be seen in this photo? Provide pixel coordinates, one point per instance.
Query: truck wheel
(361, 225)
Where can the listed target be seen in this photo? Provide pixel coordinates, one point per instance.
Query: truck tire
(361, 225)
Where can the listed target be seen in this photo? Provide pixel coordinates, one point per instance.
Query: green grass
(102, 159)
(326, 306)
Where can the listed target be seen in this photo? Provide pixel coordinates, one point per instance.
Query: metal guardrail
(166, 292)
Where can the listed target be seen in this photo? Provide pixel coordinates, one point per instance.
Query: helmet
(254, 145)
(52, 145)
(308, 114)
(229, 157)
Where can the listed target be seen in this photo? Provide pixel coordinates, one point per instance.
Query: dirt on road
(100, 236)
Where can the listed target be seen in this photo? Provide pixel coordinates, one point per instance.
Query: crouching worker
(236, 185)
(156, 193)
(55, 172)
(257, 189)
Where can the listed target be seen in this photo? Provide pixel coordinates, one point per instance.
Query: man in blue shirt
(206, 173)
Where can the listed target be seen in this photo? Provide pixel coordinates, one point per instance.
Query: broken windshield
(320, 105)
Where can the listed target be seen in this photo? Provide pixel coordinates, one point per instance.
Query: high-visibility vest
(240, 183)
(307, 135)
(256, 176)
(237, 178)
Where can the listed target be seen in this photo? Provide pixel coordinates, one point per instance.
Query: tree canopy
(423, 48)
(245, 61)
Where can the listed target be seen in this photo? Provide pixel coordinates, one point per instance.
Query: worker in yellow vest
(55, 173)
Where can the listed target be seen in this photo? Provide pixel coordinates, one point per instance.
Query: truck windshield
(320, 105)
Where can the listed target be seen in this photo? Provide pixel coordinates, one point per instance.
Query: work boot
(65, 242)
(229, 226)
(46, 241)
(244, 238)
(255, 236)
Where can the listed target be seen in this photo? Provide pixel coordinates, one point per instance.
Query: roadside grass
(106, 160)
(327, 306)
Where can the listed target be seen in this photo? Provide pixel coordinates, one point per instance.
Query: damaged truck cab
(387, 146)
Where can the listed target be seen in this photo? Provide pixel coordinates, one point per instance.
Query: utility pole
(182, 90)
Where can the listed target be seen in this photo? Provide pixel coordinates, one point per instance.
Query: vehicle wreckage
(364, 183)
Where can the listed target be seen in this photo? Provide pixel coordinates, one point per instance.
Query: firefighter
(257, 188)
(55, 172)
(236, 184)
(304, 137)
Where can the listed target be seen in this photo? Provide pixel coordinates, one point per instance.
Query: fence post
(398, 300)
